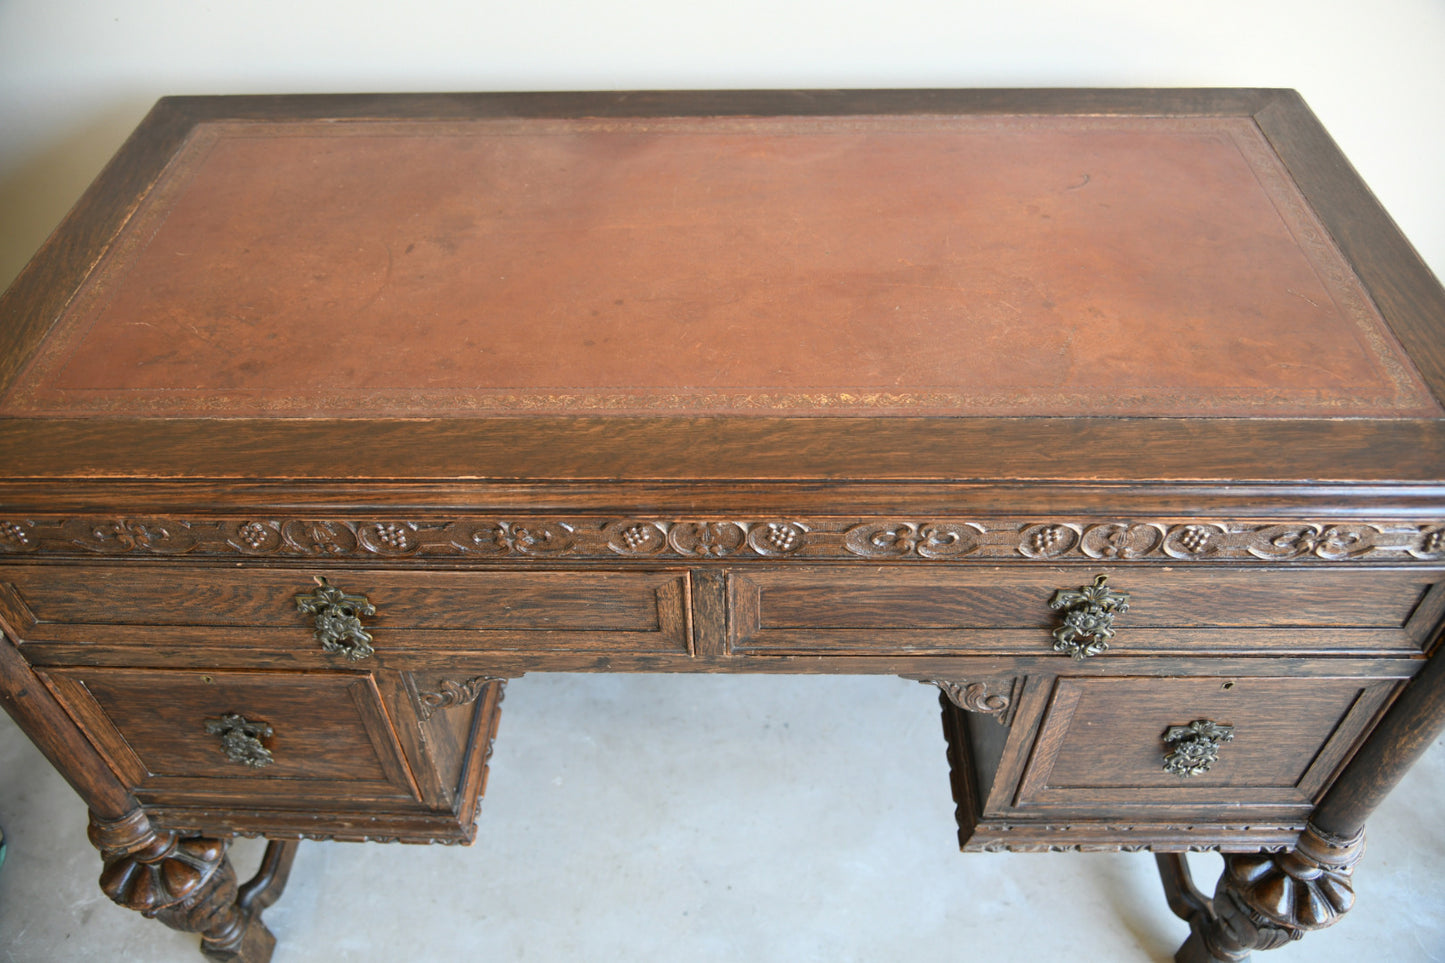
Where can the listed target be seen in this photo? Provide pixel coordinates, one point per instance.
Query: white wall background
(77, 75)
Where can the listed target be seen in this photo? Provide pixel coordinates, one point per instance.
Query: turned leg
(187, 883)
(1264, 900)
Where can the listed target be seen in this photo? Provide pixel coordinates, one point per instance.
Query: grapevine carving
(16, 537)
(121, 536)
(912, 540)
(534, 537)
(777, 538)
(707, 539)
(897, 539)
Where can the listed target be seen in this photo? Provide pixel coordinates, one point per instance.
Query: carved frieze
(1108, 837)
(593, 537)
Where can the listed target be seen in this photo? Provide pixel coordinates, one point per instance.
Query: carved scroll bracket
(448, 693)
(990, 697)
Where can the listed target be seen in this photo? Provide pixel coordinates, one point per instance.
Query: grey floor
(636, 818)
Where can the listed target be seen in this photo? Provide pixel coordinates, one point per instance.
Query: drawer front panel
(1102, 741)
(1003, 610)
(328, 735)
(618, 611)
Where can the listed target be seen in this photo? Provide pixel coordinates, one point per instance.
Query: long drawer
(257, 609)
(1007, 611)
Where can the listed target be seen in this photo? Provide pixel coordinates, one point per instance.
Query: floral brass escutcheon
(1088, 617)
(338, 619)
(1195, 747)
(241, 739)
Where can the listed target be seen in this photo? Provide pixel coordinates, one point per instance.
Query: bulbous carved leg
(186, 882)
(1264, 900)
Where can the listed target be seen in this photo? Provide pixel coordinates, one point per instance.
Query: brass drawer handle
(1195, 747)
(338, 619)
(241, 739)
(1088, 617)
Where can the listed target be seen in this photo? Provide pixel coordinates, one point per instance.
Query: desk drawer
(290, 739)
(1187, 743)
(256, 609)
(1007, 611)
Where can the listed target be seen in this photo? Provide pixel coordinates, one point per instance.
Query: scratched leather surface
(965, 266)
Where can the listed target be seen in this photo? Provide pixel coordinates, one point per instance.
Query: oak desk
(1114, 414)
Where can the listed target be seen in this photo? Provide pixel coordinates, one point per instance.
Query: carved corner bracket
(1264, 900)
(449, 693)
(990, 697)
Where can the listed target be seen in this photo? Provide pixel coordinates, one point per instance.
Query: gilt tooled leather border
(1405, 395)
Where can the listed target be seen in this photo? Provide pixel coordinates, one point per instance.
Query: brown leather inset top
(893, 265)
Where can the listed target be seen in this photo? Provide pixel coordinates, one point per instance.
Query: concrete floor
(636, 818)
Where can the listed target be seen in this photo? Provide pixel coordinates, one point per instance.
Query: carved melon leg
(1264, 900)
(187, 883)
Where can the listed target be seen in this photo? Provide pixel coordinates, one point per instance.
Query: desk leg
(1263, 900)
(188, 883)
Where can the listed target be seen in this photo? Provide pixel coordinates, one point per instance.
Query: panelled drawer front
(632, 611)
(331, 740)
(1006, 610)
(1102, 741)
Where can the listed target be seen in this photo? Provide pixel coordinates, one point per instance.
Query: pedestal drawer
(291, 740)
(1194, 743)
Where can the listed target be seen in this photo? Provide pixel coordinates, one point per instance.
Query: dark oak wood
(1406, 291)
(1412, 725)
(38, 714)
(733, 401)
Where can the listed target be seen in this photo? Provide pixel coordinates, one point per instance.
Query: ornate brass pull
(1088, 617)
(338, 619)
(241, 739)
(1195, 747)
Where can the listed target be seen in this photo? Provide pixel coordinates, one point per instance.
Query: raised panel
(1101, 742)
(632, 611)
(331, 738)
(1006, 610)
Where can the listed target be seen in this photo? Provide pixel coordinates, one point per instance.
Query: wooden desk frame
(691, 514)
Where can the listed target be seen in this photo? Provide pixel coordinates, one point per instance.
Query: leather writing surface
(910, 265)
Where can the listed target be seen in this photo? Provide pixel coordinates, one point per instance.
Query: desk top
(573, 261)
